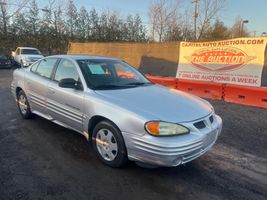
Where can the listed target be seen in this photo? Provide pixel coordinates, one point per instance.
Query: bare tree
(33, 17)
(72, 18)
(186, 26)
(51, 26)
(83, 19)
(207, 12)
(8, 9)
(162, 14)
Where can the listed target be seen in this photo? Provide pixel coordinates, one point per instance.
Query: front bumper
(175, 150)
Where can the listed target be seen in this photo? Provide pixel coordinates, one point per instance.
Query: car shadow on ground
(215, 169)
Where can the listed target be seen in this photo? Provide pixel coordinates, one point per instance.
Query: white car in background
(25, 56)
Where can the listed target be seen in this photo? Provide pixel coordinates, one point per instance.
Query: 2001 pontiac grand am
(125, 115)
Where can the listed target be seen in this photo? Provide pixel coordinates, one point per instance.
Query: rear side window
(45, 67)
(66, 69)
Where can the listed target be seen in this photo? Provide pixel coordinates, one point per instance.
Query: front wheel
(109, 145)
(23, 105)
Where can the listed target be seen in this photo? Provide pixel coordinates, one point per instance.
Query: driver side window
(66, 69)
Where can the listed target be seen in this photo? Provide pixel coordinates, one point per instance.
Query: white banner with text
(236, 61)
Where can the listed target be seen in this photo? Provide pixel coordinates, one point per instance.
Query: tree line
(51, 28)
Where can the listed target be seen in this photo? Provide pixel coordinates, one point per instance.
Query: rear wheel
(109, 145)
(23, 105)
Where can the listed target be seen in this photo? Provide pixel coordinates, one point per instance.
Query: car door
(37, 83)
(66, 105)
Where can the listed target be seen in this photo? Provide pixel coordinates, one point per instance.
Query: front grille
(200, 125)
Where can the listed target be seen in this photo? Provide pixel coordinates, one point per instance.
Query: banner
(237, 61)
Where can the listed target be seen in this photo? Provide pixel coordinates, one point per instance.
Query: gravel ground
(41, 160)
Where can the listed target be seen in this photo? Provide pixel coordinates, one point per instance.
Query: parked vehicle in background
(25, 56)
(125, 115)
(5, 61)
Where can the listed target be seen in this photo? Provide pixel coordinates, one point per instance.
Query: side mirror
(70, 83)
(12, 53)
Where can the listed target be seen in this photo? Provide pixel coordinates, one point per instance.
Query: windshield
(2, 56)
(30, 51)
(111, 74)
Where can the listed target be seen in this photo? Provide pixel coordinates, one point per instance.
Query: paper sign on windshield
(96, 69)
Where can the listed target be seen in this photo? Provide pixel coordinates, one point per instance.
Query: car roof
(82, 57)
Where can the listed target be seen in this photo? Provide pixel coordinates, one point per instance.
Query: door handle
(51, 90)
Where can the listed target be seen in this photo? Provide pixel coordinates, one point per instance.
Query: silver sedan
(123, 114)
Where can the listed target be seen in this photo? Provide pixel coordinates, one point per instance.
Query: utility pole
(195, 15)
(242, 26)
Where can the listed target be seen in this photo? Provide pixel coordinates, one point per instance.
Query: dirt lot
(41, 160)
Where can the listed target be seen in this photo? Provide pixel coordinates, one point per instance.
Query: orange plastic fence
(252, 96)
(168, 82)
(246, 95)
(203, 89)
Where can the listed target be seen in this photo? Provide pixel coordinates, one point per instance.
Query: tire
(109, 145)
(23, 105)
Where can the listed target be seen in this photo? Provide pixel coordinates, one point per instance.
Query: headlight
(158, 128)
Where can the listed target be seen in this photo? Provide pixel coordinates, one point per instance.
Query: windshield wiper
(113, 86)
(109, 86)
(139, 84)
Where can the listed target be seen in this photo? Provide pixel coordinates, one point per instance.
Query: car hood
(159, 103)
(32, 56)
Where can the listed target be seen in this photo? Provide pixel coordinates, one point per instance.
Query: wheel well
(94, 121)
(18, 89)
